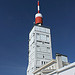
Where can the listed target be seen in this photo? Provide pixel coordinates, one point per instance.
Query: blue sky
(16, 21)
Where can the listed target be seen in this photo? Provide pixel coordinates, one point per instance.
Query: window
(47, 42)
(43, 37)
(47, 37)
(42, 29)
(38, 36)
(43, 56)
(38, 46)
(48, 47)
(42, 62)
(37, 67)
(39, 41)
(42, 42)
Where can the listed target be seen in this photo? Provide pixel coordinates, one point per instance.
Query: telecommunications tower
(40, 51)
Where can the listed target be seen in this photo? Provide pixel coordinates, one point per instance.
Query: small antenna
(38, 7)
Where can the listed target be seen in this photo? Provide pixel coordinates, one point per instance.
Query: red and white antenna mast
(38, 16)
(38, 7)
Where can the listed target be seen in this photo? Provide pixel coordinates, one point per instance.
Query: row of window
(39, 63)
(39, 46)
(43, 62)
(45, 56)
(45, 30)
(42, 42)
(42, 37)
(38, 40)
(44, 50)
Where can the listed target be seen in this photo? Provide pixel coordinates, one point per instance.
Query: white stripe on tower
(38, 7)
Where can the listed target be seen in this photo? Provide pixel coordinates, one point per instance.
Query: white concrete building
(40, 51)
(59, 66)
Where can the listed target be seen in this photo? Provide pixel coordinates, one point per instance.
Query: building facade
(40, 51)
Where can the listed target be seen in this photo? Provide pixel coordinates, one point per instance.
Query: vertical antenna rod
(38, 7)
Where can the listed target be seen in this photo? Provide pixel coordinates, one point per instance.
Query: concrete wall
(70, 71)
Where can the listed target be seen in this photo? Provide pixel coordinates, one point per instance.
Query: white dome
(38, 15)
